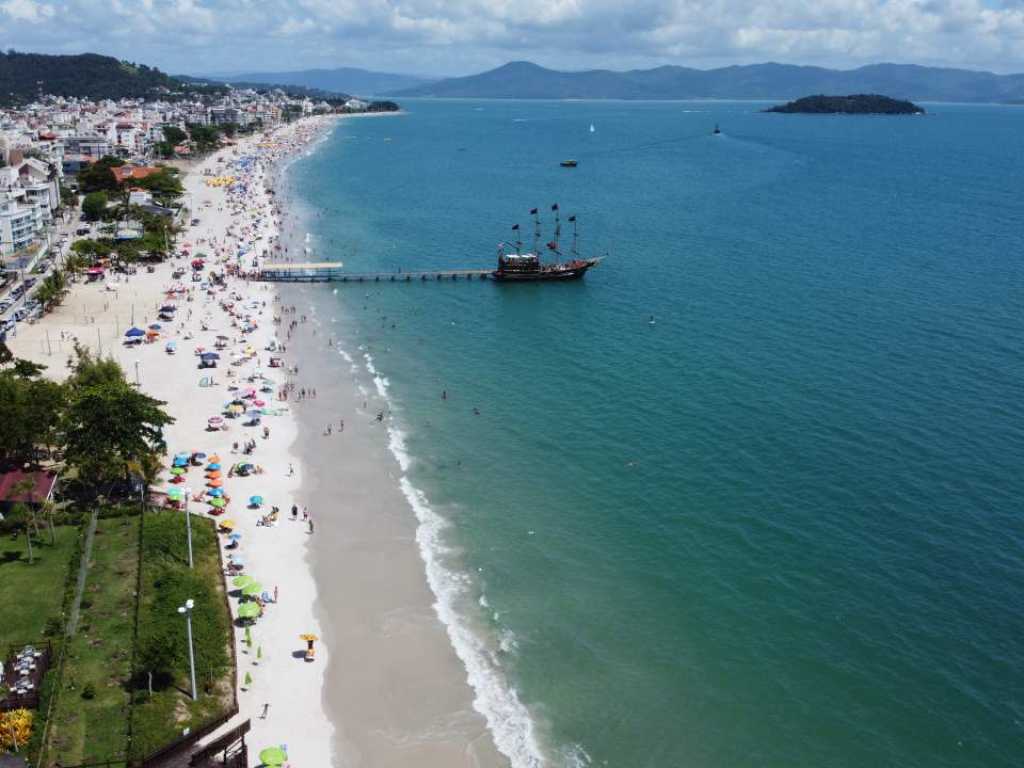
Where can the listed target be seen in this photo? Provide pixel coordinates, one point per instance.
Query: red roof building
(125, 172)
(42, 486)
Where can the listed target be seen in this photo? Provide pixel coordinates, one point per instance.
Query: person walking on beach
(291, 470)
(295, 511)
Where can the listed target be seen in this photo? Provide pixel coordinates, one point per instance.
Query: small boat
(717, 130)
(592, 128)
(568, 163)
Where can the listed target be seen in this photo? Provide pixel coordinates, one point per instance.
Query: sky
(455, 37)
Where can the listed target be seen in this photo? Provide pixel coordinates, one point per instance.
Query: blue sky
(439, 37)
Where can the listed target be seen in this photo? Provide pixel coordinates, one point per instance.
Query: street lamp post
(186, 611)
(188, 526)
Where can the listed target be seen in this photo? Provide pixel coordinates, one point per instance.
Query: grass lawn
(33, 594)
(166, 583)
(90, 720)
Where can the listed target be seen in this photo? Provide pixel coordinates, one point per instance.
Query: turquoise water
(782, 525)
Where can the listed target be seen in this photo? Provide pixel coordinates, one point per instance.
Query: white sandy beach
(399, 697)
(98, 314)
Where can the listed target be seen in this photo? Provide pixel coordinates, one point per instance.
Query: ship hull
(550, 275)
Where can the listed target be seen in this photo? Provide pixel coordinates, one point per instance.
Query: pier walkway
(332, 272)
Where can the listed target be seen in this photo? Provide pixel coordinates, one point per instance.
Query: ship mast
(572, 219)
(558, 227)
(536, 229)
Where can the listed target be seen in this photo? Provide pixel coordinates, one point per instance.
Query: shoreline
(396, 693)
(396, 687)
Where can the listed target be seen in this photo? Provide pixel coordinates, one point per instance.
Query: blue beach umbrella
(155, 327)
(255, 500)
(179, 462)
(213, 466)
(215, 492)
(235, 536)
(134, 332)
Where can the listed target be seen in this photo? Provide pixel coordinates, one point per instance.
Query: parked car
(5, 305)
(195, 222)
(82, 231)
(29, 282)
(22, 314)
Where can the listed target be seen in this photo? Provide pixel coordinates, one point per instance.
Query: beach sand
(385, 672)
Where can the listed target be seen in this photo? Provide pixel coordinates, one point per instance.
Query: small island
(857, 104)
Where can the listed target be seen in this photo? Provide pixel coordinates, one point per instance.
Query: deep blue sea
(782, 524)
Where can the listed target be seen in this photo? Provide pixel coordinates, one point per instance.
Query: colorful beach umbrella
(215, 458)
(242, 581)
(215, 493)
(215, 482)
(250, 611)
(218, 503)
(273, 756)
(255, 500)
(213, 474)
(134, 332)
(213, 466)
(176, 471)
(235, 536)
(227, 524)
(252, 589)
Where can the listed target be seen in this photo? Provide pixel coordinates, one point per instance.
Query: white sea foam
(345, 355)
(382, 384)
(499, 703)
(396, 444)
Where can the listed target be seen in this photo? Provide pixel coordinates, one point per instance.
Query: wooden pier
(332, 272)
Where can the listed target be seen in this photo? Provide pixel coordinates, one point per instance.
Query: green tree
(94, 205)
(99, 176)
(108, 424)
(174, 135)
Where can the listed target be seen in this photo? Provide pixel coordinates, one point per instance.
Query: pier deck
(332, 272)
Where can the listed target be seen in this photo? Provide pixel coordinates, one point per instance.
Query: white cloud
(27, 10)
(459, 36)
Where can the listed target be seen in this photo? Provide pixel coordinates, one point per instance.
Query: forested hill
(88, 75)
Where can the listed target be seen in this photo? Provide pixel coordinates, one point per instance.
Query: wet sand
(396, 691)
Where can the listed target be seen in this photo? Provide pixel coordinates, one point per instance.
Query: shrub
(89, 691)
(15, 725)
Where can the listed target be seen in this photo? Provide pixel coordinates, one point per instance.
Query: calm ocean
(782, 524)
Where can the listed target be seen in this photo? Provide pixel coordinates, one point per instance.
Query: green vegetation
(102, 425)
(859, 104)
(99, 177)
(89, 721)
(95, 205)
(32, 594)
(23, 75)
(167, 583)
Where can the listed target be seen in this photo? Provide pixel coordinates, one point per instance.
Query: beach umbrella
(176, 471)
(215, 493)
(134, 332)
(227, 524)
(155, 327)
(242, 581)
(252, 589)
(215, 458)
(175, 494)
(215, 482)
(210, 356)
(249, 611)
(213, 474)
(235, 536)
(218, 503)
(308, 638)
(255, 500)
(213, 465)
(198, 456)
(272, 757)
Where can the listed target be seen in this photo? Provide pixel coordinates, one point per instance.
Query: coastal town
(130, 231)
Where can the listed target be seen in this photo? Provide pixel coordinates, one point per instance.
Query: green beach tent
(273, 756)
(248, 611)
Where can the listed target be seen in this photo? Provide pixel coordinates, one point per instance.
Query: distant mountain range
(524, 80)
(341, 80)
(24, 75)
